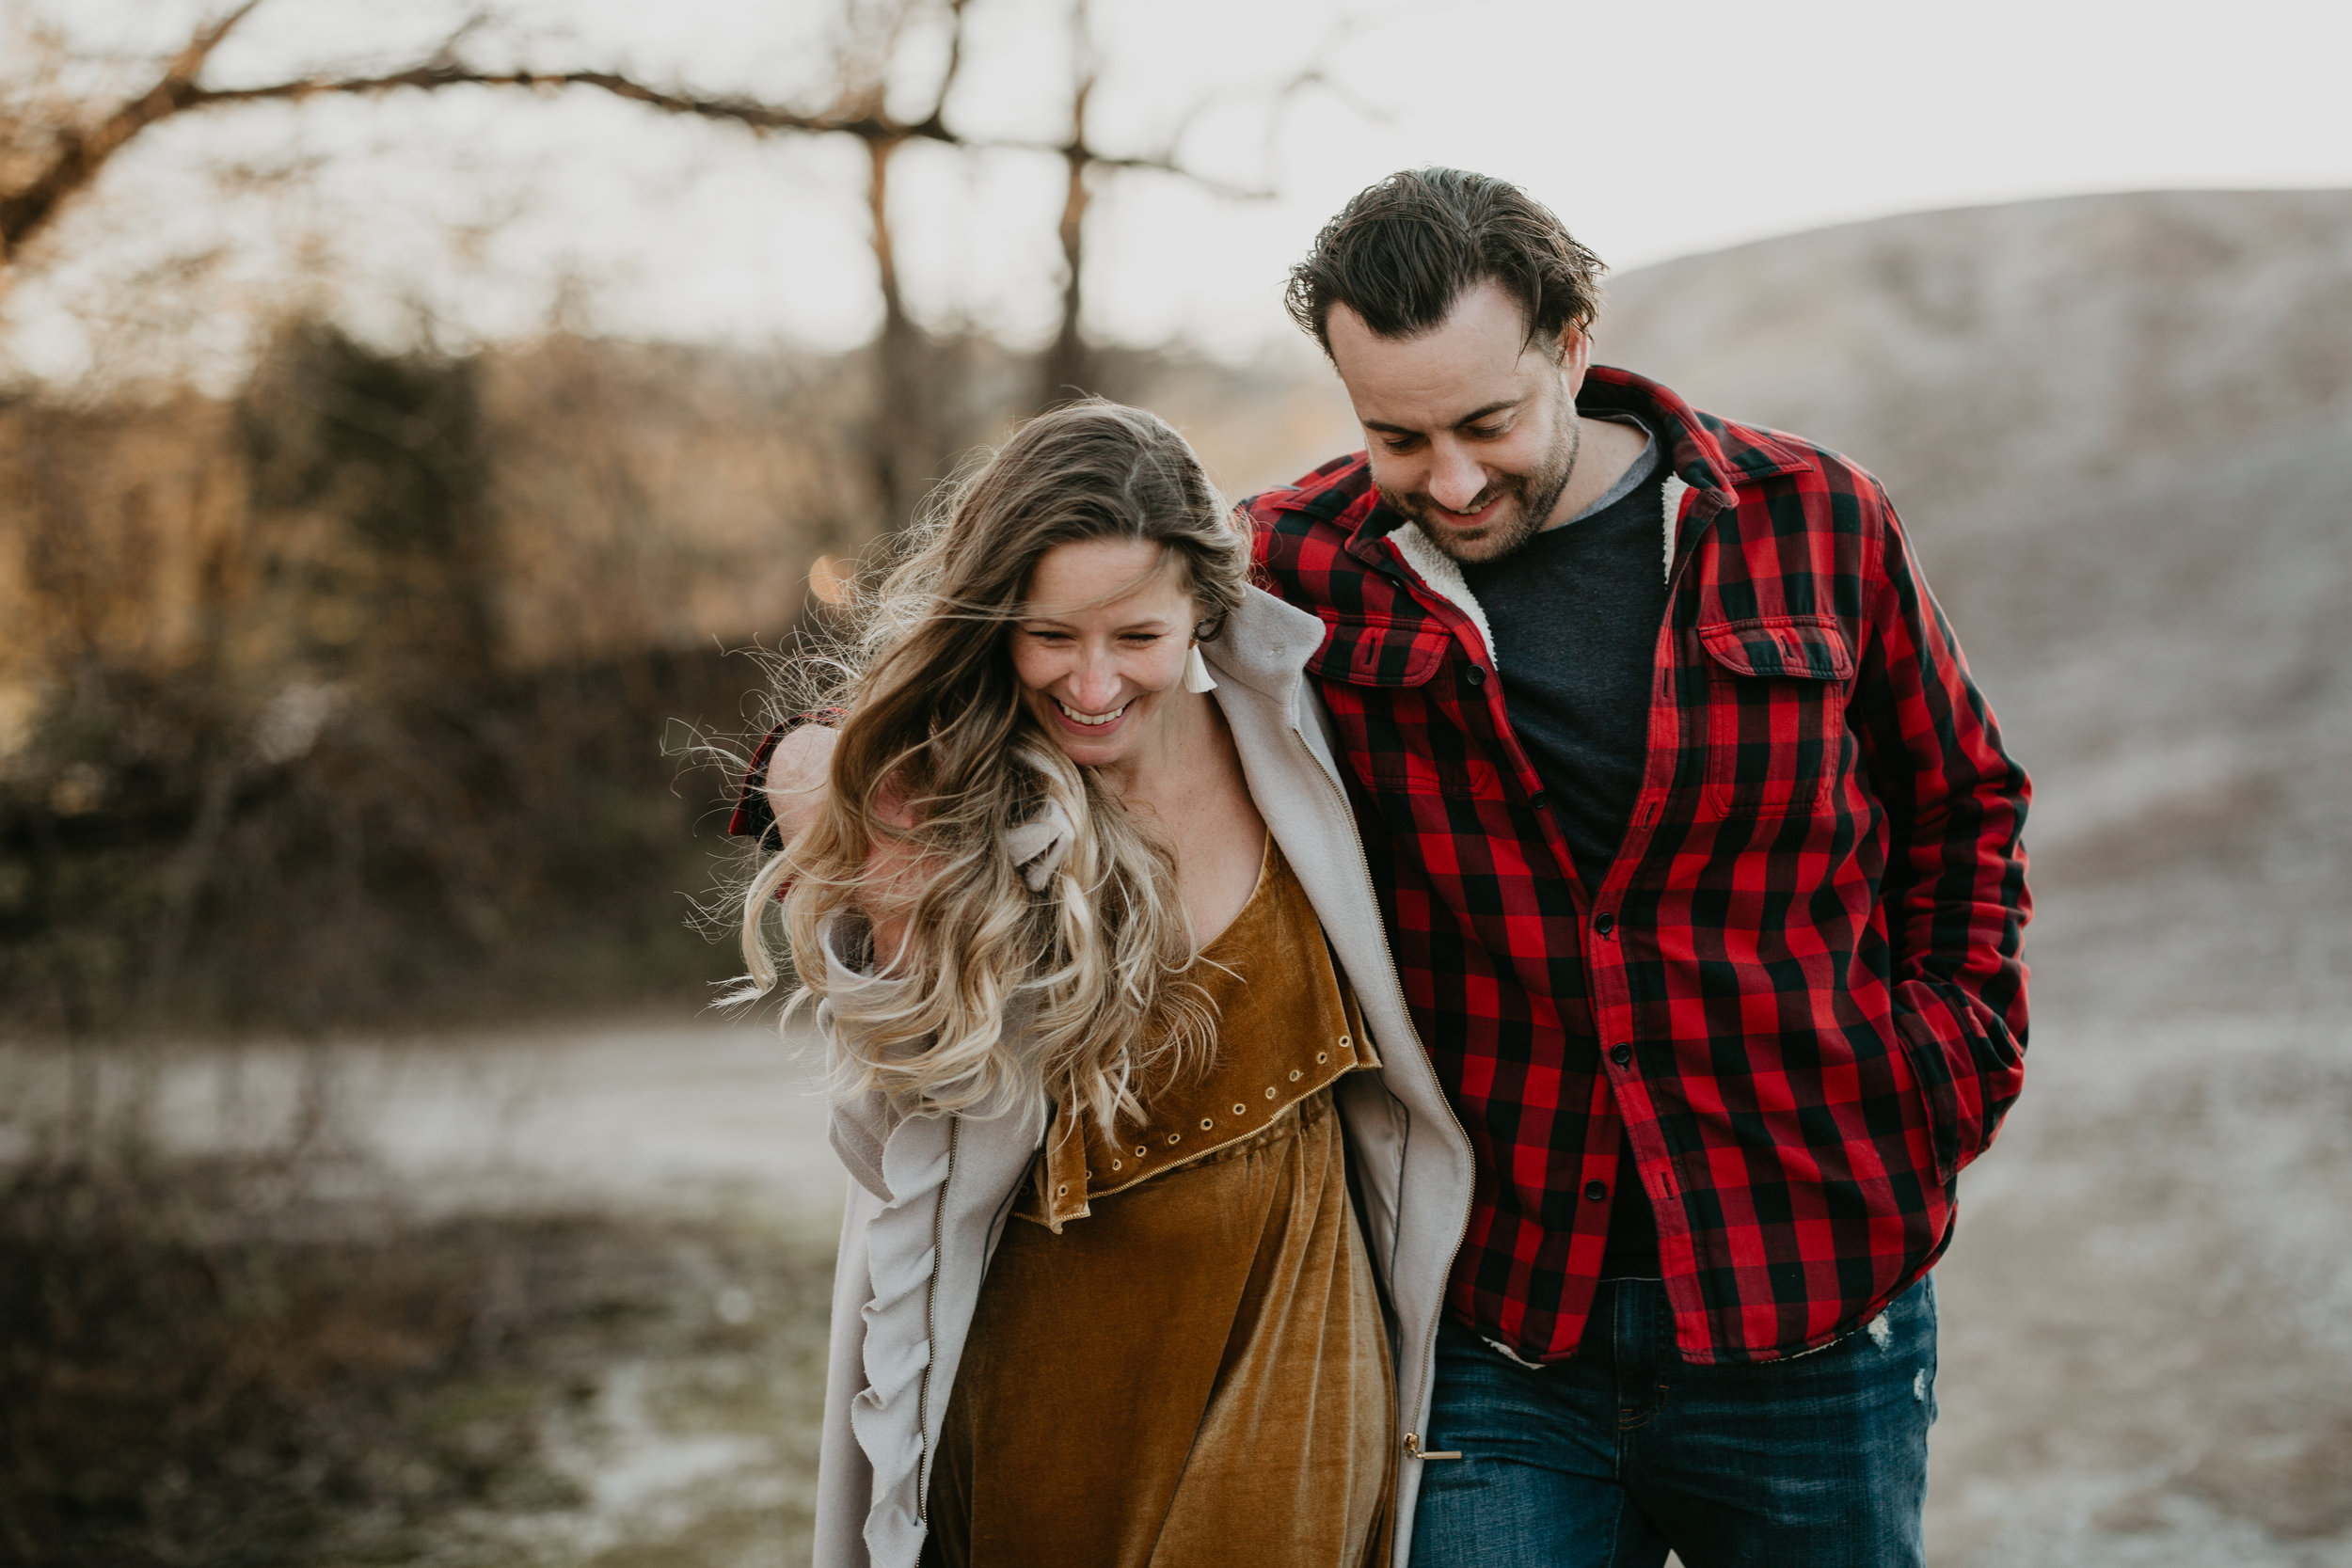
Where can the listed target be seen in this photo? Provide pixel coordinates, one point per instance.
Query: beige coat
(929, 1195)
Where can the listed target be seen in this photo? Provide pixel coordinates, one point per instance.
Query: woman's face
(1099, 646)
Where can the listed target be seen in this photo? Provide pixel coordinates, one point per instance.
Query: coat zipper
(1429, 1350)
(930, 1334)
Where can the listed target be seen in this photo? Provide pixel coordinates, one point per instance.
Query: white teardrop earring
(1196, 677)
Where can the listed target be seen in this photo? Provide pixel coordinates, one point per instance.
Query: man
(1700, 856)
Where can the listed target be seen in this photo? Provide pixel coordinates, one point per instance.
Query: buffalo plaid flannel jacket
(1798, 992)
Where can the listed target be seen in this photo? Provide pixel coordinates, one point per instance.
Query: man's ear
(1575, 357)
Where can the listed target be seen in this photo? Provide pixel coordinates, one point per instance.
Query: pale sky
(1654, 131)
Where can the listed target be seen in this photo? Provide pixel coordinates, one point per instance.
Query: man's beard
(1536, 495)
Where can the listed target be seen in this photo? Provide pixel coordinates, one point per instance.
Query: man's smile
(1478, 515)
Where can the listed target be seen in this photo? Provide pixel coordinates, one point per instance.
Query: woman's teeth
(1075, 716)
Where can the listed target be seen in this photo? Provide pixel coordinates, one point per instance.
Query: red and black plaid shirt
(1798, 991)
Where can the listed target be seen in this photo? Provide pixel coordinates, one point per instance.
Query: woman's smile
(1091, 720)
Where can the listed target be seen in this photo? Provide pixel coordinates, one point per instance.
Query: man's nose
(1455, 477)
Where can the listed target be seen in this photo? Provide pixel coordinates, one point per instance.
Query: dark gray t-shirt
(1576, 612)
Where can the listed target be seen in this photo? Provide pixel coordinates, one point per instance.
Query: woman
(1102, 973)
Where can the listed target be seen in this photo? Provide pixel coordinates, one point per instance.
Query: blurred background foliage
(346, 698)
(369, 694)
(367, 690)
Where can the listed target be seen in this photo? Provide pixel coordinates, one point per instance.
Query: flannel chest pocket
(1776, 689)
(1386, 687)
(1374, 650)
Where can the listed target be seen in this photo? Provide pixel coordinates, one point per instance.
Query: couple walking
(1435, 1017)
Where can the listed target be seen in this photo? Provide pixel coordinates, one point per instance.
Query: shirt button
(1596, 1191)
(1605, 924)
(1541, 799)
(1477, 674)
(1621, 1054)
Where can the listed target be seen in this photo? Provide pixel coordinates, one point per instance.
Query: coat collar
(1266, 645)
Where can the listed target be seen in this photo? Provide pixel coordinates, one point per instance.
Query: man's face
(1471, 428)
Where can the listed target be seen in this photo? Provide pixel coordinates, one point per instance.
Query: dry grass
(212, 1364)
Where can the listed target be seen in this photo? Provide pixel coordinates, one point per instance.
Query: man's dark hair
(1402, 251)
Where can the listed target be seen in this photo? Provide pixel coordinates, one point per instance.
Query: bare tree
(1067, 368)
(57, 164)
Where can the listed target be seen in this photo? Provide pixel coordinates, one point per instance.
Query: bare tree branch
(190, 62)
(859, 111)
(1315, 74)
(1155, 164)
(81, 154)
(868, 122)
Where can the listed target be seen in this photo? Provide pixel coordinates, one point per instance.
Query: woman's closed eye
(1053, 639)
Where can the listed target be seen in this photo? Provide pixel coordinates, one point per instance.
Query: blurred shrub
(346, 701)
(502, 846)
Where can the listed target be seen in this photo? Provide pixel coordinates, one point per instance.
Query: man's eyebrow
(1489, 411)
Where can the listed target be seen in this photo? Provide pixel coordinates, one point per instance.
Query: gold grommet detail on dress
(1206, 1125)
(1293, 1075)
(1141, 1151)
(1269, 1091)
(1347, 1044)
(1323, 1055)
(1062, 1191)
(1115, 1164)
(1175, 1138)
(1239, 1109)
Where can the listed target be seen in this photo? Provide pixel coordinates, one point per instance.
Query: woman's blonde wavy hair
(1002, 993)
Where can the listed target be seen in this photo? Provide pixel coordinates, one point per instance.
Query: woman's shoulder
(1268, 640)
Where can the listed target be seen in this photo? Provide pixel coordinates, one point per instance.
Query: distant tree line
(362, 694)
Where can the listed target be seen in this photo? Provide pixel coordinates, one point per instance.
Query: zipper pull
(1412, 1446)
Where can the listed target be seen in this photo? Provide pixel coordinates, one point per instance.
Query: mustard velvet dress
(1178, 1358)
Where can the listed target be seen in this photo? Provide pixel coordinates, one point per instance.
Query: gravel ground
(2147, 1351)
(2146, 1335)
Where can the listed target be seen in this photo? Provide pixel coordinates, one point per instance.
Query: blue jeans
(1608, 1460)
